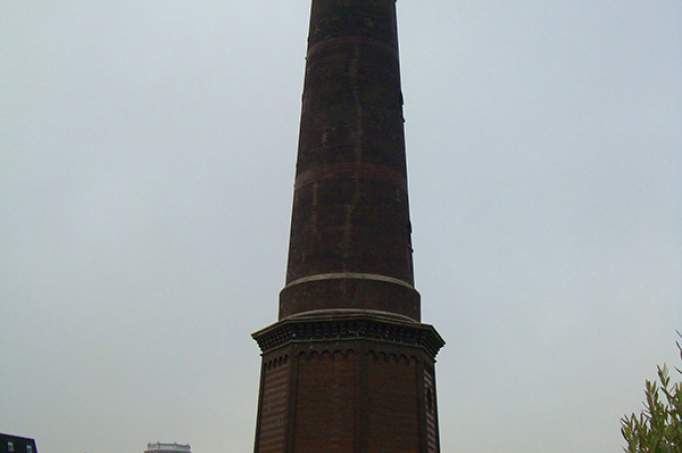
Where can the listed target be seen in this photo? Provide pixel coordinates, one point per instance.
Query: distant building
(160, 447)
(16, 444)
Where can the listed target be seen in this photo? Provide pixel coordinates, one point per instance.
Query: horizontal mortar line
(271, 425)
(315, 48)
(278, 396)
(350, 311)
(274, 417)
(271, 433)
(273, 437)
(272, 445)
(274, 395)
(276, 380)
(281, 373)
(349, 276)
(275, 448)
(345, 146)
(363, 170)
(352, 339)
(272, 402)
(274, 414)
(271, 408)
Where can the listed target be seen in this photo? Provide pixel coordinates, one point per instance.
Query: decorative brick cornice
(349, 328)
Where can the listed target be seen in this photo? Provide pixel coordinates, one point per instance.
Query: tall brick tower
(349, 368)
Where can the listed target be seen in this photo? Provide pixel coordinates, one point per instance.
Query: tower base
(348, 383)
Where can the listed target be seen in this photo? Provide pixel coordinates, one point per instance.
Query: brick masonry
(341, 397)
(349, 367)
(351, 212)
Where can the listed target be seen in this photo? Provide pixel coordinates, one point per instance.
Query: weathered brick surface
(432, 438)
(350, 397)
(351, 211)
(348, 368)
(392, 422)
(272, 429)
(326, 401)
(350, 294)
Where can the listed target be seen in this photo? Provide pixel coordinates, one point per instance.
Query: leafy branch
(658, 428)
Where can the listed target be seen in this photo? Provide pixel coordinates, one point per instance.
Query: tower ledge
(349, 326)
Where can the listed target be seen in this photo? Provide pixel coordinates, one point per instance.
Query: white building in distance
(160, 447)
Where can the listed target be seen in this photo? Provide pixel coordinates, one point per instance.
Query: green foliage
(658, 429)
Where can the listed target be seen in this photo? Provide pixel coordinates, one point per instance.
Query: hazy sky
(147, 151)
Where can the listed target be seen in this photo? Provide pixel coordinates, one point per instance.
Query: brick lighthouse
(349, 367)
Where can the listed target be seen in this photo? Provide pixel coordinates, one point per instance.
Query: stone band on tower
(348, 367)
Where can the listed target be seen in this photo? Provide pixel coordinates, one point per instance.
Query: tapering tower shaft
(349, 368)
(350, 242)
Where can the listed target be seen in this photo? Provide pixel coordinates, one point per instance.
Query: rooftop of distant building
(163, 447)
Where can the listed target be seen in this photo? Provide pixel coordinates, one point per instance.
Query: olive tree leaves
(658, 428)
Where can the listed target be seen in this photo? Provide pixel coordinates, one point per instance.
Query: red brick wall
(431, 422)
(275, 396)
(325, 410)
(356, 397)
(393, 424)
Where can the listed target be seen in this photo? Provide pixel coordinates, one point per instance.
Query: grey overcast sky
(147, 151)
